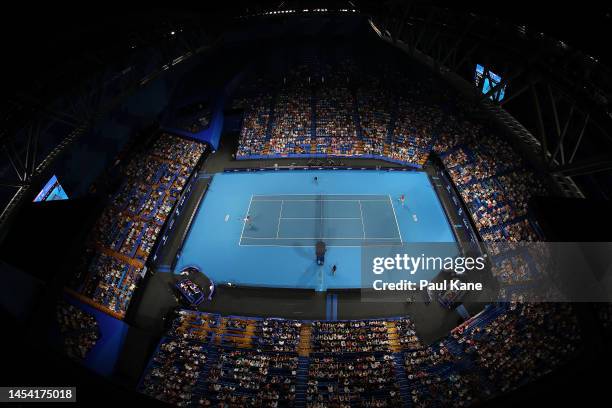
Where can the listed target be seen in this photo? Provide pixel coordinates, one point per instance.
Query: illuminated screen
(485, 80)
(51, 191)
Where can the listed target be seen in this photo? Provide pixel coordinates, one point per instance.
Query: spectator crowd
(344, 110)
(125, 233)
(79, 330)
(339, 110)
(523, 343)
(504, 347)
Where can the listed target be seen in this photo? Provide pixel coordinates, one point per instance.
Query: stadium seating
(336, 112)
(377, 362)
(339, 379)
(522, 344)
(78, 330)
(495, 185)
(437, 377)
(207, 359)
(249, 378)
(174, 371)
(348, 112)
(350, 336)
(126, 232)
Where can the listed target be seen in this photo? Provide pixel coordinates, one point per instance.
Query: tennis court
(290, 211)
(338, 220)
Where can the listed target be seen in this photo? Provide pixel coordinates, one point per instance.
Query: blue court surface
(289, 212)
(338, 220)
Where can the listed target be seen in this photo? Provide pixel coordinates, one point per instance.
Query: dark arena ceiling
(97, 94)
(555, 50)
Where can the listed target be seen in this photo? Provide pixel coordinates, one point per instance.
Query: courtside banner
(487, 272)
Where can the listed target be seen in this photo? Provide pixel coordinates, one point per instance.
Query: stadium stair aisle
(331, 309)
(305, 335)
(301, 381)
(402, 380)
(392, 334)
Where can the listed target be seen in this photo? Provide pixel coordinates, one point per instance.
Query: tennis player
(247, 221)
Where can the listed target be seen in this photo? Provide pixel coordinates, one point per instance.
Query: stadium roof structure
(65, 82)
(560, 94)
(558, 99)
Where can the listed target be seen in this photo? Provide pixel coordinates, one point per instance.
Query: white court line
(280, 217)
(297, 194)
(362, 223)
(321, 218)
(306, 238)
(312, 246)
(357, 238)
(395, 216)
(244, 222)
(314, 201)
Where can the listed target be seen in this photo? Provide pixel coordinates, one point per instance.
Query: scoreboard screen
(51, 191)
(485, 80)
